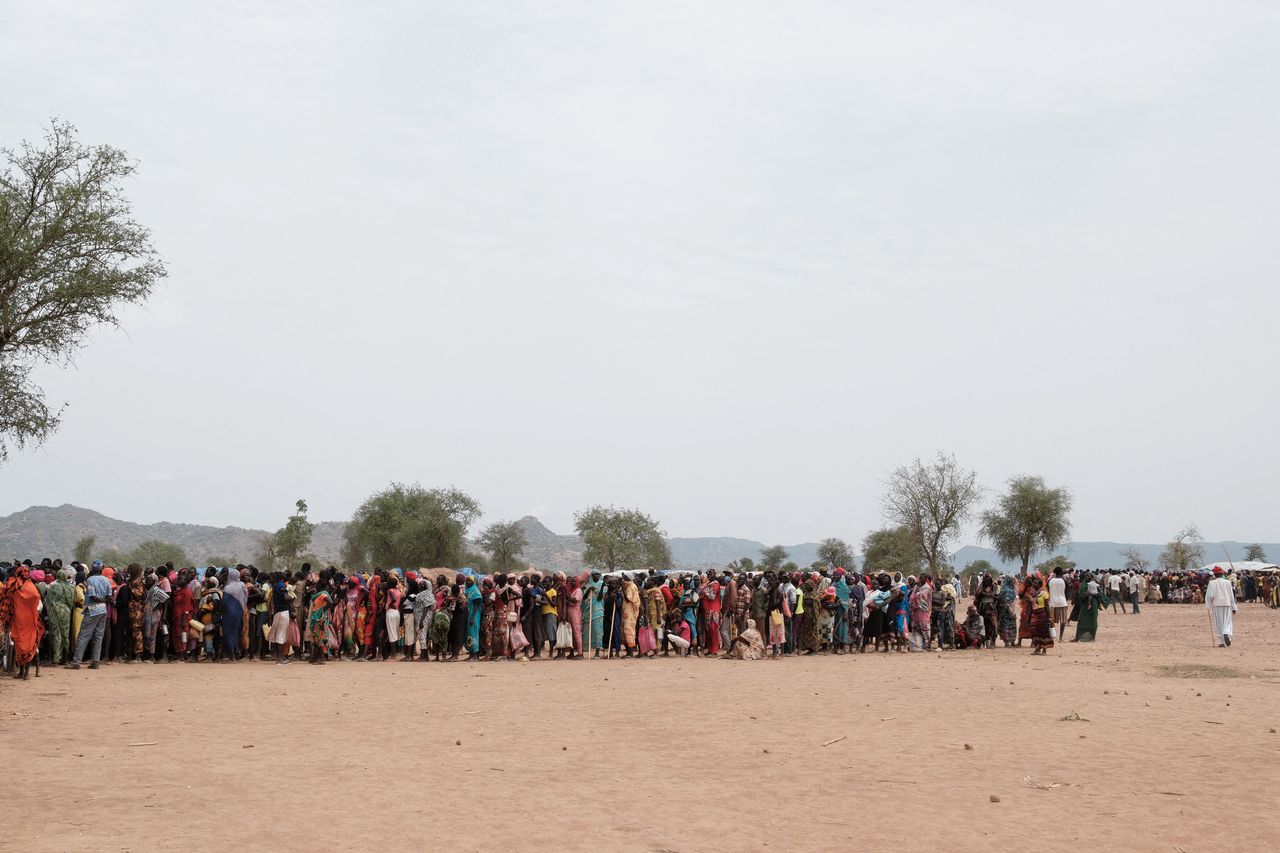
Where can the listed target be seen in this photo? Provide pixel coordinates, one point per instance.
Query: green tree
(892, 549)
(742, 564)
(479, 562)
(836, 553)
(1134, 560)
(621, 540)
(1184, 551)
(976, 567)
(932, 501)
(505, 541)
(772, 558)
(410, 526)
(71, 257)
(1254, 553)
(1054, 562)
(221, 561)
(294, 538)
(115, 557)
(790, 567)
(156, 552)
(1029, 518)
(84, 548)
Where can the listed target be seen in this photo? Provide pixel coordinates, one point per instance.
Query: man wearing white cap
(1220, 601)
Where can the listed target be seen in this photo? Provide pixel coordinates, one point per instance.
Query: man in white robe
(1220, 601)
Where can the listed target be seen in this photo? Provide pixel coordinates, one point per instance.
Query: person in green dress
(58, 601)
(1091, 599)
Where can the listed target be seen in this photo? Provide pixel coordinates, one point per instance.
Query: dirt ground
(666, 755)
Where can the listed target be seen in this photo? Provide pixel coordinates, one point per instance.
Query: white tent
(1243, 566)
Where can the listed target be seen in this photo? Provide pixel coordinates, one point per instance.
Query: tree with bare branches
(932, 500)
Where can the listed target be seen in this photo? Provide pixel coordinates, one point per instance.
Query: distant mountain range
(43, 531)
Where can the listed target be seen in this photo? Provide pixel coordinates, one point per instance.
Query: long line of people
(73, 615)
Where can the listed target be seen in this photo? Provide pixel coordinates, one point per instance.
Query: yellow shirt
(549, 609)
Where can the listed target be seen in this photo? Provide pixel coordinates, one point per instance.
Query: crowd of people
(72, 615)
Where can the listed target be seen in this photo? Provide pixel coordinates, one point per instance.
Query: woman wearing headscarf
(574, 614)
(1008, 619)
(987, 600)
(77, 608)
(1091, 599)
(655, 611)
(182, 611)
(488, 617)
(808, 633)
(137, 603)
(235, 600)
(474, 606)
(209, 612)
(408, 626)
(630, 596)
(457, 607)
(840, 614)
(424, 607)
(341, 621)
(156, 599)
(1038, 618)
(58, 601)
(20, 617)
(748, 645)
(318, 618)
(922, 614)
(441, 620)
(593, 611)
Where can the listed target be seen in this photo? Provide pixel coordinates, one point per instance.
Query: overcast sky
(729, 262)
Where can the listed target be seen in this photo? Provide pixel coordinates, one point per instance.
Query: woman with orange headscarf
(20, 618)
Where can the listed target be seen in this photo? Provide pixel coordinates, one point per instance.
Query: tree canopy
(772, 558)
(1184, 551)
(1254, 553)
(291, 541)
(1056, 561)
(892, 549)
(1029, 518)
(836, 553)
(84, 548)
(156, 552)
(620, 539)
(977, 567)
(505, 541)
(410, 526)
(71, 257)
(931, 500)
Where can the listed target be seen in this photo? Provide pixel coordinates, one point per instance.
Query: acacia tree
(932, 501)
(505, 541)
(1134, 560)
(410, 526)
(1255, 554)
(978, 567)
(1184, 551)
(84, 548)
(772, 558)
(71, 257)
(621, 539)
(292, 540)
(157, 552)
(1054, 562)
(1029, 518)
(836, 553)
(891, 549)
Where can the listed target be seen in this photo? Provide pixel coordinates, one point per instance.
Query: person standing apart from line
(1220, 601)
(1116, 593)
(1058, 608)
